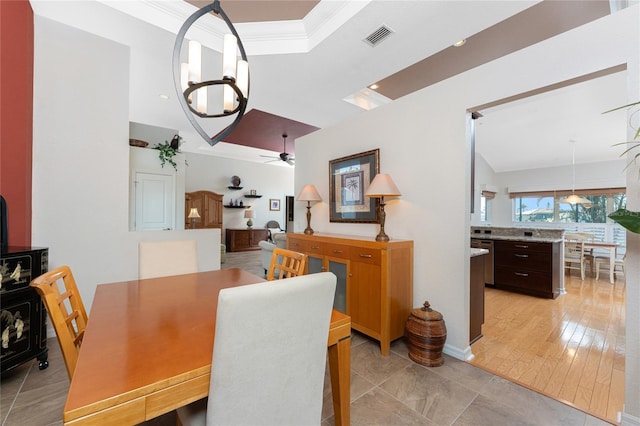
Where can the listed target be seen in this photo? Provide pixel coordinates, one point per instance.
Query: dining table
(148, 347)
(606, 246)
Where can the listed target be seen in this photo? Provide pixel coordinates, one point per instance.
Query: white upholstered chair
(574, 256)
(269, 354)
(166, 258)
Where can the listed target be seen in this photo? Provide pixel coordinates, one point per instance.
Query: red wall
(16, 116)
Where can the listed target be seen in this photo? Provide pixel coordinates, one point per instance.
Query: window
(546, 206)
(485, 205)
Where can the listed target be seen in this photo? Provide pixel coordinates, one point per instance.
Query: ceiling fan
(284, 156)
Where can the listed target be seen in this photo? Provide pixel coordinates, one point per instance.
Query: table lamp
(193, 215)
(382, 185)
(309, 193)
(249, 214)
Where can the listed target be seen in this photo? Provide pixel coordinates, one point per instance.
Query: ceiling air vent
(378, 35)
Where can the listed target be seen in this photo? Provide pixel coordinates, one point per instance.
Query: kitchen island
(526, 260)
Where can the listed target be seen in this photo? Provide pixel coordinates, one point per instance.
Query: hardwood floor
(571, 348)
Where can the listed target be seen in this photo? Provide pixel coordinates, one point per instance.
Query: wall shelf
(253, 196)
(236, 207)
(234, 188)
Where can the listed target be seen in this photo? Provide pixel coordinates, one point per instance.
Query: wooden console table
(375, 280)
(245, 239)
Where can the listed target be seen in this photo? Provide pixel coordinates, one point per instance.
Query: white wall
(423, 145)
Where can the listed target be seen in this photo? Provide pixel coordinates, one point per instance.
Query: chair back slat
(286, 264)
(61, 297)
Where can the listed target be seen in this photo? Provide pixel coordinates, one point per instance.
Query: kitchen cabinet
(528, 267)
(245, 239)
(375, 280)
(209, 205)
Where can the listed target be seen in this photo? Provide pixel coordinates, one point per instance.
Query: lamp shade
(309, 193)
(193, 213)
(575, 199)
(249, 214)
(382, 186)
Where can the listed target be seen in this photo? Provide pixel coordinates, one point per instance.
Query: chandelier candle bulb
(228, 96)
(243, 77)
(184, 76)
(195, 61)
(201, 100)
(229, 56)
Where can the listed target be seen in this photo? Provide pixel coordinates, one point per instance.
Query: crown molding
(259, 38)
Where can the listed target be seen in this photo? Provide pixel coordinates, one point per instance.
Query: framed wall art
(349, 178)
(274, 204)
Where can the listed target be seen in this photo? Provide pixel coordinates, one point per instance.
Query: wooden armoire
(209, 205)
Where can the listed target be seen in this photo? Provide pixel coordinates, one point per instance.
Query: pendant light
(573, 198)
(234, 79)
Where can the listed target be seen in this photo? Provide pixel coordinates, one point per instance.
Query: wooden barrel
(426, 333)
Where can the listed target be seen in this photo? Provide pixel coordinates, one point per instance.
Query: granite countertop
(542, 235)
(518, 238)
(478, 252)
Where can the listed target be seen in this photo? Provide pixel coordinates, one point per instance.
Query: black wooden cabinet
(24, 325)
(528, 267)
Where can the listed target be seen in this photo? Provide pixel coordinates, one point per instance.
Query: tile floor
(389, 390)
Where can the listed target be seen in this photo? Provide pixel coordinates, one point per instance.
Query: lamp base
(308, 230)
(249, 224)
(382, 237)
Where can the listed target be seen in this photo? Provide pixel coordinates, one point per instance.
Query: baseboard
(629, 420)
(461, 354)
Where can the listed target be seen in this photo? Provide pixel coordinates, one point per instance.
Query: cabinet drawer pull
(295, 244)
(520, 274)
(521, 246)
(315, 247)
(368, 256)
(337, 251)
(521, 255)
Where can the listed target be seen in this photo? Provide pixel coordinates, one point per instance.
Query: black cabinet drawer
(533, 282)
(523, 259)
(523, 246)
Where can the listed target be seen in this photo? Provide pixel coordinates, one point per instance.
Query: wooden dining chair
(286, 264)
(166, 258)
(61, 297)
(574, 256)
(604, 261)
(269, 354)
(585, 237)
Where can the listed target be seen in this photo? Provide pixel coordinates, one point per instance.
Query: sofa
(266, 248)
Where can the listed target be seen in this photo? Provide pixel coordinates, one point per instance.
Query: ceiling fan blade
(291, 162)
(270, 156)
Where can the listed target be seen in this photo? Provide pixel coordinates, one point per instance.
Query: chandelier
(235, 77)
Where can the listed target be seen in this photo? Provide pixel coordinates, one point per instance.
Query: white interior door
(154, 202)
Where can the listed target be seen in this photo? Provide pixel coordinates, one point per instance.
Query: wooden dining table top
(147, 335)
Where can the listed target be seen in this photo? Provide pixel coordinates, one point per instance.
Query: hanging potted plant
(168, 150)
(628, 219)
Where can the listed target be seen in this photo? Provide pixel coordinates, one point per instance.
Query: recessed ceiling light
(164, 96)
(373, 86)
(460, 43)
